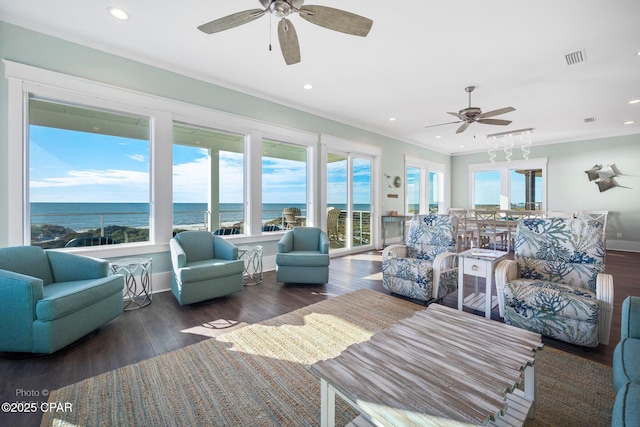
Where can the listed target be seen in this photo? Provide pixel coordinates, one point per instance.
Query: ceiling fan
(328, 17)
(474, 114)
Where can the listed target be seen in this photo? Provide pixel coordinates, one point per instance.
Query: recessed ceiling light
(630, 122)
(462, 146)
(392, 119)
(635, 101)
(118, 13)
(638, 53)
(438, 137)
(308, 86)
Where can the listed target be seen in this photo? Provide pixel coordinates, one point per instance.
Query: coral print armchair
(426, 268)
(556, 284)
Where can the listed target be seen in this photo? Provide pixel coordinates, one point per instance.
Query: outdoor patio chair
(292, 217)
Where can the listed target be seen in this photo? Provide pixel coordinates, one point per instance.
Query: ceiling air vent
(590, 120)
(576, 57)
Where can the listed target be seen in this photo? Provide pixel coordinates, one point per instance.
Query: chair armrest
(19, 294)
(324, 243)
(394, 251)
(506, 270)
(443, 263)
(68, 267)
(286, 243)
(223, 249)
(178, 256)
(604, 295)
(630, 322)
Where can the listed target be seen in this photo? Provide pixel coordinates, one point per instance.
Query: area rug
(259, 375)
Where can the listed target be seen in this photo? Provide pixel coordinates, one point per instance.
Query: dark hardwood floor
(165, 326)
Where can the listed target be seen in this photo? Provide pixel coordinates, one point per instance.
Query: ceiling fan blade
(337, 20)
(442, 124)
(494, 122)
(460, 116)
(231, 21)
(464, 127)
(288, 42)
(497, 112)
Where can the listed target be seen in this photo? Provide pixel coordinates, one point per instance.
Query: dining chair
(600, 216)
(561, 214)
(465, 232)
(486, 231)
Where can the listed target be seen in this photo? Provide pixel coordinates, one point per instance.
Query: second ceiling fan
(327, 17)
(475, 115)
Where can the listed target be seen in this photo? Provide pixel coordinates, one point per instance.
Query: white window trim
(504, 168)
(24, 79)
(429, 166)
(353, 149)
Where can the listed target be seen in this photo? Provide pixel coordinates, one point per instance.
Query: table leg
(327, 404)
(487, 295)
(460, 283)
(530, 388)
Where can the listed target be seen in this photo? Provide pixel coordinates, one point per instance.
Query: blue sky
(72, 166)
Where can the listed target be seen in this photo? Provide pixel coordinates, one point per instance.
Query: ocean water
(86, 216)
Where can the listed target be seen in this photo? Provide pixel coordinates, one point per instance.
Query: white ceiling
(413, 65)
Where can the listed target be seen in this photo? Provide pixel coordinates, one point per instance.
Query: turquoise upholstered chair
(303, 256)
(626, 366)
(556, 285)
(205, 266)
(50, 299)
(426, 268)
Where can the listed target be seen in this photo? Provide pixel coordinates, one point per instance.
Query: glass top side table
(252, 256)
(137, 277)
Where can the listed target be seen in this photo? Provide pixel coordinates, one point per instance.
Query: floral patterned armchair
(556, 285)
(426, 268)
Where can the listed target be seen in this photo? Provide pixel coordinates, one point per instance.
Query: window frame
(162, 112)
(427, 166)
(504, 169)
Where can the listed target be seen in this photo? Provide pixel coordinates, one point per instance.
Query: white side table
(252, 256)
(478, 263)
(137, 292)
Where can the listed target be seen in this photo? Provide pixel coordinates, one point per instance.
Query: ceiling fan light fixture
(280, 8)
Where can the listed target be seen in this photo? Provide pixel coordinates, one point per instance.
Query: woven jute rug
(259, 375)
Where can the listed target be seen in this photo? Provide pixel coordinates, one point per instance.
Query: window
(526, 189)
(138, 168)
(284, 184)
(516, 185)
(88, 176)
(425, 186)
(486, 190)
(413, 190)
(208, 180)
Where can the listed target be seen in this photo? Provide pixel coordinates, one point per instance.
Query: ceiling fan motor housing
(471, 113)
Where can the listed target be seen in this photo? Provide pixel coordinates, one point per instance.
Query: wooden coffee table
(438, 366)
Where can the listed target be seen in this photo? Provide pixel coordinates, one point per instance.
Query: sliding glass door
(349, 200)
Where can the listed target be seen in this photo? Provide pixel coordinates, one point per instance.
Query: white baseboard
(623, 245)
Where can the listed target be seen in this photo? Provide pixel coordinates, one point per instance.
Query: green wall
(36, 49)
(568, 187)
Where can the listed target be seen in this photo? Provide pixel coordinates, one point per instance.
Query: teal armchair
(303, 256)
(205, 266)
(626, 366)
(50, 299)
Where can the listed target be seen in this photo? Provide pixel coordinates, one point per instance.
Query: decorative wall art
(603, 176)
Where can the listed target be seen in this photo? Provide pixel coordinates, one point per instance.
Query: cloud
(82, 178)
(137, 157)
